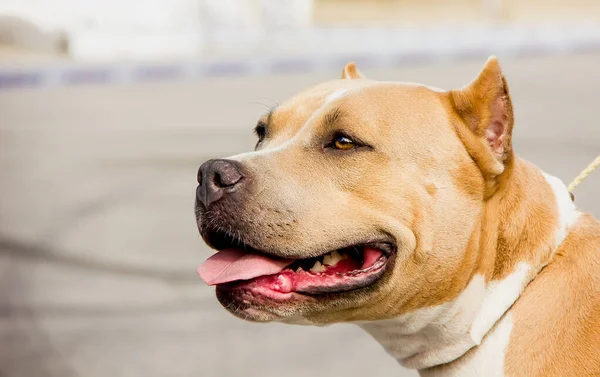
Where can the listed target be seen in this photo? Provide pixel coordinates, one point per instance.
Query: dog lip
(219, 240)
(385, 246)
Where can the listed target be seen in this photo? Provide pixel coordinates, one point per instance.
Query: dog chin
(255, 307)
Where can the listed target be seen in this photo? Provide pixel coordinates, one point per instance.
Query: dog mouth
(239, 266)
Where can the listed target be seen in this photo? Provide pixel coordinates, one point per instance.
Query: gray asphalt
(98, 245)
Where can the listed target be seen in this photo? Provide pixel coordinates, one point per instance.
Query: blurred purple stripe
(20, 79)
(584, 47)
(158, 72)
(414, 58)
(291, 65)
(362, 61)
(87, 76)
(472, 54)
(73, 75)
(228, 68)
(533, 50)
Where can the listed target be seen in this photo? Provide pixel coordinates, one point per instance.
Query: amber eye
(343, 143)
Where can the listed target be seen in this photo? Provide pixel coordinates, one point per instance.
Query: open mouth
(237, 265)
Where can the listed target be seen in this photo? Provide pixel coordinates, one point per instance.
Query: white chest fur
(437, 335)
(434, 335)
(486, 360)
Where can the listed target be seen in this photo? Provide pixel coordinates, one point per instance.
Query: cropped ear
(485, 107)
(351, 72)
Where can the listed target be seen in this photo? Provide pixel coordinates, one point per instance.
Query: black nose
(216, 178)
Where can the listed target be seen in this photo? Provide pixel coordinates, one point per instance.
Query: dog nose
(216, 178)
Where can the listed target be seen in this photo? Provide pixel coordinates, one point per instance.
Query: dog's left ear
(351, 72)
(485, 107)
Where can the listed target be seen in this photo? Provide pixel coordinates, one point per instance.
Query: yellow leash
(584, 174)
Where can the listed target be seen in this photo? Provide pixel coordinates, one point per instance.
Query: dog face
(358, 203)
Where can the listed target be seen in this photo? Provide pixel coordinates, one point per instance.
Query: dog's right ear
(485, 108)
(351, 72)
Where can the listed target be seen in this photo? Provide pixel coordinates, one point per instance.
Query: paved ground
(97, 238)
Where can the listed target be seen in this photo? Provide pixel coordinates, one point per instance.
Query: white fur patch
(262, 152)
(499, 296)
(335, 95)
(434, 335)
(567, 212)
(437, 335)
(486, 360)
(432, 88)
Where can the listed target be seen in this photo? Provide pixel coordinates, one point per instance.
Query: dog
(403, 209)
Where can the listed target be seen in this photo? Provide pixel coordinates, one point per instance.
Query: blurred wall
(140, 29)
(396, 12)
(166, 29)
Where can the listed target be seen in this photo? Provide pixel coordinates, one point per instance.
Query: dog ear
(351, 72)
(485, 107)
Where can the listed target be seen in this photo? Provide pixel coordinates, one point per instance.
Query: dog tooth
(318, 267)
(332, 259)
(299, 269)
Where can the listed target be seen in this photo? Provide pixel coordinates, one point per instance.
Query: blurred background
(107, 108)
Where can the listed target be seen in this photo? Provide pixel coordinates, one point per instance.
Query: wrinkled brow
(332, 117)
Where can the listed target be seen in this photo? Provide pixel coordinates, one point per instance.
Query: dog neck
(519, 249)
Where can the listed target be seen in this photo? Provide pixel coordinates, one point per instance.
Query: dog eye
(343, 143)
(261, 131)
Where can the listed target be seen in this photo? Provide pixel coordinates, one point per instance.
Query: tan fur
(351, 72)
(443, 180)
(557, 327)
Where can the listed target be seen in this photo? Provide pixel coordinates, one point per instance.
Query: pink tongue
(370, 256)
(234, 264)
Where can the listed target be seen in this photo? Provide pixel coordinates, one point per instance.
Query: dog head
(359, 201)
